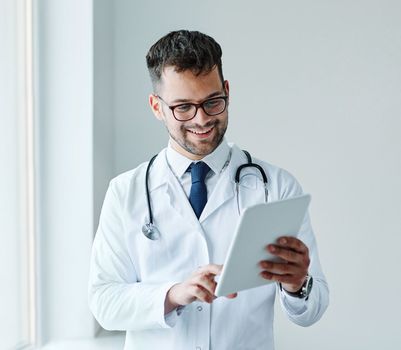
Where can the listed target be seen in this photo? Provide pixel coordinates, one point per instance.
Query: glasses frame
(196, 105)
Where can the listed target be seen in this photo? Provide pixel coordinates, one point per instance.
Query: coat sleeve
(116, 298)
(301, 311)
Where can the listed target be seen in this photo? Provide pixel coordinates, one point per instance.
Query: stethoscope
(150, 230)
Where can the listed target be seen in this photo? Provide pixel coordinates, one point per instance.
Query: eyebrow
(183, 100)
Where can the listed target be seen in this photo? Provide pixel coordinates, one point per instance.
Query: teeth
(200, 133)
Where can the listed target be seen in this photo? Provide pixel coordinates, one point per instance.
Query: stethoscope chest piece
(151, 231)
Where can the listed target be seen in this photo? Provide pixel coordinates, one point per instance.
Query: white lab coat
(130, 274)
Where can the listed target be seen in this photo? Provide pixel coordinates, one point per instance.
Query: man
(160, 289)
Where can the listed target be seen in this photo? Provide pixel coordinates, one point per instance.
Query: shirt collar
(215, 160)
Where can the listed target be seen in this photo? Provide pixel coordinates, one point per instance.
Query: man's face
(201, 135)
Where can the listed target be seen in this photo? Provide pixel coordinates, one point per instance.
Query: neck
(184, 152)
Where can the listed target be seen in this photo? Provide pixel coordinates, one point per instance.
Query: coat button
(199, 308)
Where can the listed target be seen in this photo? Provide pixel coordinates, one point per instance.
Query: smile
(204, 133)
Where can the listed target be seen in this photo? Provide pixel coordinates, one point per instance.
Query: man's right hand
(199, 286)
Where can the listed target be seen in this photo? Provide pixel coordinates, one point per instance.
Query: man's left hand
(293, 269)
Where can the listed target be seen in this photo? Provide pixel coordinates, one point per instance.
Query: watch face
(308, 287)
(304, 291)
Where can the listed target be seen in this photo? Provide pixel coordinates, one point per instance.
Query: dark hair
(184, 50)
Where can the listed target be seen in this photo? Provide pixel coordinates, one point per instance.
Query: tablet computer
(259, 225)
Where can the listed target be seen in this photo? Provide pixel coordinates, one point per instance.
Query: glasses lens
(214, 106)
(187, 111)
(184, 111)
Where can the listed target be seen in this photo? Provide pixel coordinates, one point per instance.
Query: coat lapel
(223, 192)
(225, 187)
(163, 179)
(179, 201)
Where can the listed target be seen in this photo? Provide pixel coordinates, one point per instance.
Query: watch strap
(304, 291)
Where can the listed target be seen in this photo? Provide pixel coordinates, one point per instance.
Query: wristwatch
(304, 291)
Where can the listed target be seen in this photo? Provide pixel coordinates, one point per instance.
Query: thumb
(232, 295)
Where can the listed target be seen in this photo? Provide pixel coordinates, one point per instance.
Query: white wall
(315, 88)
(64, 58)
(103, 103)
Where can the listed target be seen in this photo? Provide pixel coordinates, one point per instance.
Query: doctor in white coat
(162, 291)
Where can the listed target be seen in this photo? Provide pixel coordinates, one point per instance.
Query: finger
(280, 268)
(213, 269)
(206, 281)
(202, 294)
(232, 295)
(293, 243)
(285, 253)
(288, 279)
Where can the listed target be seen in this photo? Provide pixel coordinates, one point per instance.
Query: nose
(201, 117)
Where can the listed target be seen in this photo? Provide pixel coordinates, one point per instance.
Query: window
(17, 258)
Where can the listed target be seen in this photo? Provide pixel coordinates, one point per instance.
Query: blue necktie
(198, 194)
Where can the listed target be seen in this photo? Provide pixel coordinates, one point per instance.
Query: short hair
(184, 50)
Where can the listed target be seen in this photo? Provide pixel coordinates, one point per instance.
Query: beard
(200, 147)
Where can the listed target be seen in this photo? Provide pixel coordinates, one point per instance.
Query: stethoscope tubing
(151, 231)
(147, 188)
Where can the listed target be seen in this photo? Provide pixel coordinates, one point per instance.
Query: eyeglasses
(187, 111)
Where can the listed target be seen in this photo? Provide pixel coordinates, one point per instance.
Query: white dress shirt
(216, 162)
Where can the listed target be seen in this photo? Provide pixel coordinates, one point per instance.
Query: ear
(155, 106)
(227, 87)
